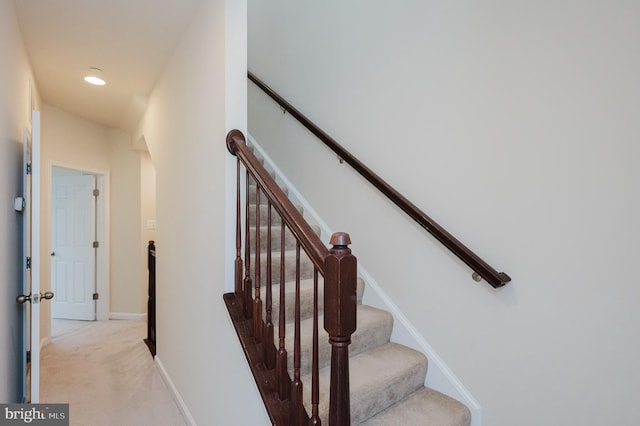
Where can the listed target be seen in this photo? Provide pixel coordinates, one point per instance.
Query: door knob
(48, 295)
(23, 298)
(53, 253)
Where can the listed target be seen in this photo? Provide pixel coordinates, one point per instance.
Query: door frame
(102, 226)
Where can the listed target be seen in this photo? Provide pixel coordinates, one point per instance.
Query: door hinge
(96, 296)
(28, 262)
(29, 168)
(96, 244)
(28, 356)
(96, 192)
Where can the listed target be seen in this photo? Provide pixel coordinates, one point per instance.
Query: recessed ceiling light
(95, 77)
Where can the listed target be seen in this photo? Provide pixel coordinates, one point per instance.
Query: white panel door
(73, 254)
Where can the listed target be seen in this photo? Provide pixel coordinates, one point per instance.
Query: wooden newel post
(151, 302)
(340, 322)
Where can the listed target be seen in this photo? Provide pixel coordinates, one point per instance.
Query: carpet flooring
(105, 372)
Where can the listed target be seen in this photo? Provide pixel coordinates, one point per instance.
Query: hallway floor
(105, 372)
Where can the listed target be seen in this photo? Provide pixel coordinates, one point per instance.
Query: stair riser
(306, 299)
(289, 239)
(276, 238)
(306, 267)
(374, 329)
(275, 218)
(441, 409)
(263, 198)
(397, 375)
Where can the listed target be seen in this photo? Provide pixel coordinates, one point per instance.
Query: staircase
(386, 379)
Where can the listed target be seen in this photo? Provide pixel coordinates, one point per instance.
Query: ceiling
(130, 40)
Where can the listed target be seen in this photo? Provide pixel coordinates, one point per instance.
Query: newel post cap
(340, 239)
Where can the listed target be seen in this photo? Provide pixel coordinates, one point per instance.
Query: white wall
(127, 262)
(71, 141)
(15, 104)
(148, 213)
(184, 128)
(516, 127)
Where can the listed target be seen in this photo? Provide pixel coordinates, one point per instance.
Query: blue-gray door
(27, 300)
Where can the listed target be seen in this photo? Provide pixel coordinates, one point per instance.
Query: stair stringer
(439, 376)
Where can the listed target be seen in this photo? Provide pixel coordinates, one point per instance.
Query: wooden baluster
(267, 342)
(248, 286)
(315, 375)
(238, 263)
(340, 322)
(257, 302)
(297, 408)
(284, 384)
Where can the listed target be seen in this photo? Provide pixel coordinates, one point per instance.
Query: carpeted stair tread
(424, 407)
(306, 298)
(263, 198)
(378, 379)
(306, 266)
(289, 238)
(374, 329)
(275, 218)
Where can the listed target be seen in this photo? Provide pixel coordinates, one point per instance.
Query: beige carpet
(106, 373)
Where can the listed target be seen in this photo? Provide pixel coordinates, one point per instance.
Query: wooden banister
(303, 232)
(151, 302)
(479, 266)
(282, 394)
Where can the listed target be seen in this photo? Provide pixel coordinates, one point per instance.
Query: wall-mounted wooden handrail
(479, 266)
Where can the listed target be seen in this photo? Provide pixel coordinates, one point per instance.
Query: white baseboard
(127, 316)
(188, 418)
(439, 376)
